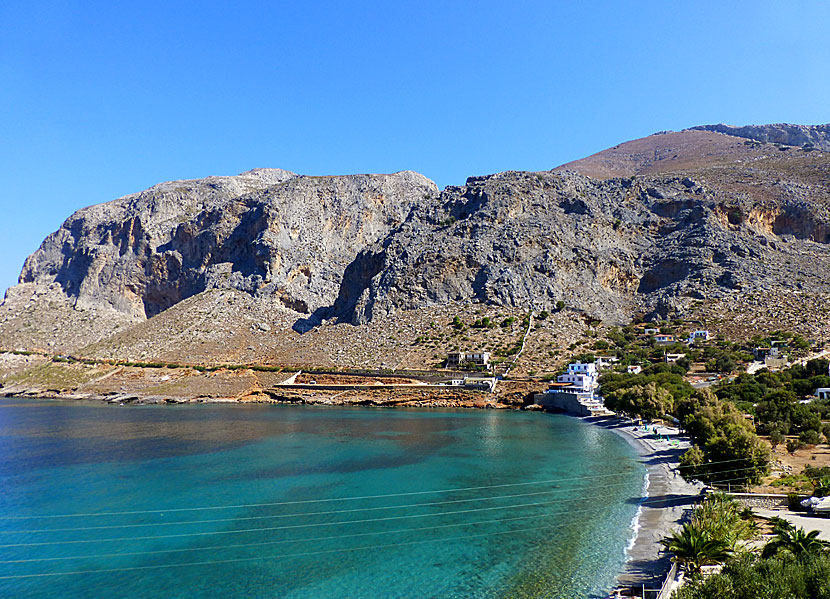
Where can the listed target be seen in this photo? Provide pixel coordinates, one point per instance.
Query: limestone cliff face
(698, 215)
(268, 232)
(610, 248)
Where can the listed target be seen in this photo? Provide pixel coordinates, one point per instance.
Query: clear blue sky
(101, 99)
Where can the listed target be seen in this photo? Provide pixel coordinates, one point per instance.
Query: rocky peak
(811, 136)
(266, 231)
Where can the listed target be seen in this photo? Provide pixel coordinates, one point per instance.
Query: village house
(480, 383)
(462, 358)
(822, 393)
(634, 369)
(763, 352)
(664, 339)
(574, 391)
(581, 377)
(671, 358)
(699, 335)
(651, 332)
(604, 362)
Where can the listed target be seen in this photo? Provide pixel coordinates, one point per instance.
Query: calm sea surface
(308, 503)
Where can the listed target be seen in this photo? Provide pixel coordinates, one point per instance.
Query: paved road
(756, 366)
(806, 522)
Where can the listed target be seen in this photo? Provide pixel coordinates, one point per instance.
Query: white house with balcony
(573, 392)
(581, 377)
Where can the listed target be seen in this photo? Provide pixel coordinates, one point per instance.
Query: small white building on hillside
(699, 335)
(634, 369)
(460, 358)
(823, 393)
(604, 362)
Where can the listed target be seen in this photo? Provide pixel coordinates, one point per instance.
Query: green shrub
(794, 445)
(810, 437)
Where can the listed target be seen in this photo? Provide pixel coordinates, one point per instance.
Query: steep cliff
(268, 232)
(650, 227)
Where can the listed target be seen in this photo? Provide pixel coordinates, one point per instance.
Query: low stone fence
(767, 501)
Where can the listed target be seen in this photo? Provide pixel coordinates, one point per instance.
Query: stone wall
(768, 501)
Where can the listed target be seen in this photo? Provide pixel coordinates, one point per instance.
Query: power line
(307, 553)
(307, 501)
(647, 502)
(294, 526)
(328, 512)
(334, 499)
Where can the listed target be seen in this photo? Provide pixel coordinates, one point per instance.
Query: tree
(750, 577)
(646, 401)
(725, 519)
(693, 547)
(795, 541)
(722, 434)
(776, 437)
(810, 437)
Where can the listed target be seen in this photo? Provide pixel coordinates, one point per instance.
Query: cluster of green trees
(715, 533)
(725, 448)
(794, 565)
(773, 399)
(630, 347)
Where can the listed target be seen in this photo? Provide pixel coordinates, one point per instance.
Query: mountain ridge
(649, 228)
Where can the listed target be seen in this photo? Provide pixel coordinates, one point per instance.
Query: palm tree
(796, 541)
(693, 547)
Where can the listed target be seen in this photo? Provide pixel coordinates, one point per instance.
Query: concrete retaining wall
(565, 402)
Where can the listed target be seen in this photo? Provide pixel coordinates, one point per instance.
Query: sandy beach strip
(669, 497)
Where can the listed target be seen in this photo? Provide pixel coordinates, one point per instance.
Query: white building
(699, 335)
(634, 369)
(580, 377)
(481, 383)
(823, 393)
(459, 358)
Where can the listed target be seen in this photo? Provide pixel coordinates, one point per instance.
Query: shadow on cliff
(357, 278)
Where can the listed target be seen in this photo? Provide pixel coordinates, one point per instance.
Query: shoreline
(668, 496)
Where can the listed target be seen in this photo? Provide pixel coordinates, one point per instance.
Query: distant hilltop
(654, 227)
(816, 136)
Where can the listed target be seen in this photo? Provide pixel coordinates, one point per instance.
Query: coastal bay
(311, 501)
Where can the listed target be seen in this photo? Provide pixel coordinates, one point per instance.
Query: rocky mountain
(269, 232)
(651, 227)
(809, 136)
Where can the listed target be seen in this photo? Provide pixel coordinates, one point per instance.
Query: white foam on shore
(635, 521)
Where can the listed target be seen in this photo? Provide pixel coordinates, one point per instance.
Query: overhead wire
(646, 502)
(291, 527)
(307, 553)
(327, 512)
(335, 499)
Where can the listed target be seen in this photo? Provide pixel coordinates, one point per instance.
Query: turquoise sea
(220, 501)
